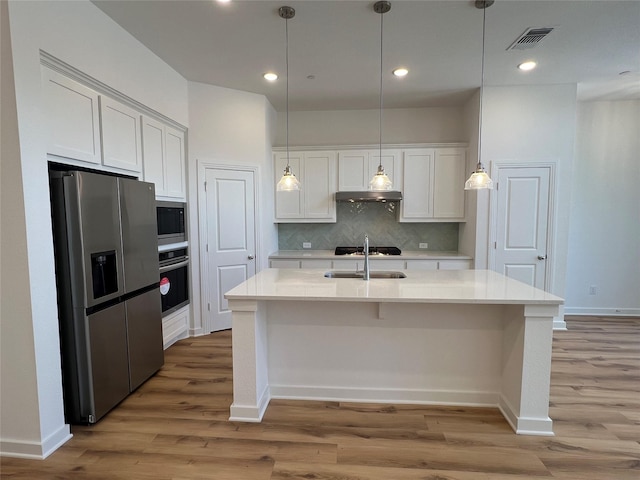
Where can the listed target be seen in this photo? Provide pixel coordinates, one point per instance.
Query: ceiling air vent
(530, 38)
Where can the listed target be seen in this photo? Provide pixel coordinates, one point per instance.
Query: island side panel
(386, 352)
(527, 368)
(250, 372)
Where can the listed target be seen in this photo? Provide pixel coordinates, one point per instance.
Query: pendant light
(479, 179)
(380, 180)
(288, 182)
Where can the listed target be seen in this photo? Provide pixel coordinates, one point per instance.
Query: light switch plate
(423, 245)
(306, 244)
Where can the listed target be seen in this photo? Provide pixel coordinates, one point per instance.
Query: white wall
(532, 124)
(78, 33)
(362, 127)
(16, 336)
(467, 232)
(604, 223)
(230, 127)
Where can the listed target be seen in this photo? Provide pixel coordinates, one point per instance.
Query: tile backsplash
(378, 220)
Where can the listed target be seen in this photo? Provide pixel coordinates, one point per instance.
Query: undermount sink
(378, 274)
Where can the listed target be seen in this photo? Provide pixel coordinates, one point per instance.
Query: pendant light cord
(380, 119)
(286, 29)
(484, 20)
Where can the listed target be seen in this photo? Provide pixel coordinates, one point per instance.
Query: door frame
(498, 165)
(203, 166)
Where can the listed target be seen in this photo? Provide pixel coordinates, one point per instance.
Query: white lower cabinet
(422, 264)
(175, 327)
(316, 263)
(357, 263)
(439, 264)
(284, 263)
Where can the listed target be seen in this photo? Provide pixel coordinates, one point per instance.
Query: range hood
(369, 196)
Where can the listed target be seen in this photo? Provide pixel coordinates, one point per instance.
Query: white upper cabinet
(356, 168)
(315, 201)
(72, 117)
(417, 188)
(121, 139)
(163, 158)
(433, 184)
(448, 185)
(174, 163)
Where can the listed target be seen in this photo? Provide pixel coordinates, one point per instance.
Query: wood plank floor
(175, 426)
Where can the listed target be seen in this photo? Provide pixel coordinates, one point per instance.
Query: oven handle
(173, 266)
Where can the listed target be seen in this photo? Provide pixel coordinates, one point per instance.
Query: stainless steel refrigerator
(106, 248)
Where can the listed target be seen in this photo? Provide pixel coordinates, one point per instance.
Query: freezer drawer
(109, 370)
(144, 330)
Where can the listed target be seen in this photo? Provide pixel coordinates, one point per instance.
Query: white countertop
(440, 286)
(406, 255)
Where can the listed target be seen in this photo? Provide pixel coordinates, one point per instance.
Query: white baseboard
(250, 413)
(523, 425)
(386, 395)
(35, 450)
(603, 312)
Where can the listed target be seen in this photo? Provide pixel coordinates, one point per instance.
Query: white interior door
(522, 223)
(230, 241)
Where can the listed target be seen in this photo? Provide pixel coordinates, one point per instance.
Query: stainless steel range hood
(369, 196)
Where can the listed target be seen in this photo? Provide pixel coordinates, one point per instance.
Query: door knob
(542, 257)
(250, 257)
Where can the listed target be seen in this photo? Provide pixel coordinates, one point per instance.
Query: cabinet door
(289, 204)
(174, 167)
(390, 162)
(121, 139)
(422, 264)
(72, 118)
(153, 154)
(417, 185)
(316, 263)
(319, 185)
(386, 265)
(284, 263)
(448, 185)
(454, 265)
(349, 264)
(353, 170)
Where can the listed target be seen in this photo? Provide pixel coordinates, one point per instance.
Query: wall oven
(174, 279)
(171, 222)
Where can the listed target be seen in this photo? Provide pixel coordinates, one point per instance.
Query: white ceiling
(338, 43)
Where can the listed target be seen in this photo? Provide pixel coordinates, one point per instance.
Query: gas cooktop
(372, 251)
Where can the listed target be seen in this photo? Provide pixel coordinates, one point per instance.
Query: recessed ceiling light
(528, 65)
(270, 76)
(400, 72)
(224, 1)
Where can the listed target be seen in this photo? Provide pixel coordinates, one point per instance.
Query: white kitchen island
(464, 337)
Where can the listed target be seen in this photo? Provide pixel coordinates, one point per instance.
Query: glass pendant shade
(479, 180)
(288, 182)
(380, 181)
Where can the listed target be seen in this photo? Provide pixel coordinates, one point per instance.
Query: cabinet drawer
(284, 263)
(316, 263)
(422, 264)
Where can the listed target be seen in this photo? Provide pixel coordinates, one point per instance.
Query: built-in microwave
(171, 222)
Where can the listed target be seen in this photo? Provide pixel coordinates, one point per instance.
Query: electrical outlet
(306, 244)
(423, 245)
(593, 290)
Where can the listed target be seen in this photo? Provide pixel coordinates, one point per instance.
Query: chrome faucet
(366, 258)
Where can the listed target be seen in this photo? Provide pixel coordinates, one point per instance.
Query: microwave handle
(173, 266)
